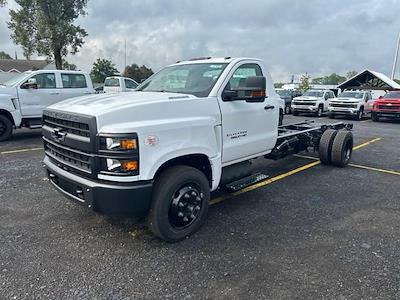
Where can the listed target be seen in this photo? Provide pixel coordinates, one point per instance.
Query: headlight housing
(119, 154)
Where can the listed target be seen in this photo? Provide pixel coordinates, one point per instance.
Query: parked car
(161, 150)
(119, 84)
(351, 103)
(23, 98)
(387, 106)
(312, 101)
(288, 96)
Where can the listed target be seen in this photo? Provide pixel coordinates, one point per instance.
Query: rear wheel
(5, 128)
(180, 203)
(325, 146)
(342, 148)
(374, 117)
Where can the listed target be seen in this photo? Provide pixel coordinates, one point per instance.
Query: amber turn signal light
(128, 144)
(129, 165)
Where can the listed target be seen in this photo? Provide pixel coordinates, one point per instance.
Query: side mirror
(252, 91)
(380, 97)
(30, 84)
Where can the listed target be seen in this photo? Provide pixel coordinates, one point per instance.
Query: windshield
(283, 93)
(13, 81)
(392, 95)
(313, 93)
(111, 82)
(195, 79)
(357, 95)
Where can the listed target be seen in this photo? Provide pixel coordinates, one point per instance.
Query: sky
(293, 36)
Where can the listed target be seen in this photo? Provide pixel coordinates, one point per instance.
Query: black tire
(287, 110)
(180, 193)
(320, 111)
(6, 128)
(374, 117)
(342, 148)
(359, 114)
(295, 113)
(331, 116)
(325, 146)
(280, 117)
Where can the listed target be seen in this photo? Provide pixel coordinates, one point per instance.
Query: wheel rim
(319, 112)
(185, 206)
(2, 128)
(347, 152)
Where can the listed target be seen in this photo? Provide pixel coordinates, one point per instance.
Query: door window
(130, 84)
(76, 81)
(239, 77)
(45, 80)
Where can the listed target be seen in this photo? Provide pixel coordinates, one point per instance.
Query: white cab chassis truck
(23, 98)
(190, 129)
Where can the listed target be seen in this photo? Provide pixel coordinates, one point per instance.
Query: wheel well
(198, 161)
(8, 115)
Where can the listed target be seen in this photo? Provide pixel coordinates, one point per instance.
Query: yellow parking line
(281, 176)
(20, 150)
(366, 144)
(375, 169)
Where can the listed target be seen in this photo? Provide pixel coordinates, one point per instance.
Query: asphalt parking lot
(309, 232)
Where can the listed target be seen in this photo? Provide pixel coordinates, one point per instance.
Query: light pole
(395, 57)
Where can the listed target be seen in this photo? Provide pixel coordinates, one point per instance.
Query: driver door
(33, 101)
(248, 128)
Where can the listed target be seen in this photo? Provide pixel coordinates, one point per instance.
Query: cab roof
(217, 60)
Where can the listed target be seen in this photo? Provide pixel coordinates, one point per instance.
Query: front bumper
(131, 199)
(387, 114)
(304, 108)
(342, 111)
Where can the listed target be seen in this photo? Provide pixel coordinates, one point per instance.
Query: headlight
(119, 154)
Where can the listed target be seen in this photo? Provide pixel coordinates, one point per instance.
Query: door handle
(269, 107)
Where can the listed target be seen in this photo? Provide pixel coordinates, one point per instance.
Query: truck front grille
(389, 107)
(344, 105)
(68, 126)
(304, 103)
(68, 156)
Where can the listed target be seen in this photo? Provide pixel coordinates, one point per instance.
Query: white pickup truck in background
(23, 98)
(190, 129)
(312, 101)
(119, 84)
(351, 103)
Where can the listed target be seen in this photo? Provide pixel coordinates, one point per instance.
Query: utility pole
(395, 57)
(125, 56)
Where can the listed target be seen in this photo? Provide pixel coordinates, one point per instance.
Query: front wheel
(180, 203)
(319, 112)
(374, 117)
(359, 115)
(5, 128)
(295, 113)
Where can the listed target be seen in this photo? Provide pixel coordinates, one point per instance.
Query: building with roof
(375, 82)
(12, 67)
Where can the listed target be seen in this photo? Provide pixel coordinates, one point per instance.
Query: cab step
(245, 182)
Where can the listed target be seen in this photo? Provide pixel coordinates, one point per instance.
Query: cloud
(292, 36)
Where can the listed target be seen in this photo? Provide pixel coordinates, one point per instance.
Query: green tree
(67, 66)
(3, 2)
(304, 82)
(137, 73)
(4, 55)
(333, 79)
(351, 74)
(46, 27)
(101, 69)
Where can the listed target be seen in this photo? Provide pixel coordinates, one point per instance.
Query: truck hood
(345, 100)
(101, 104)
(307, 98)
(8, 91)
